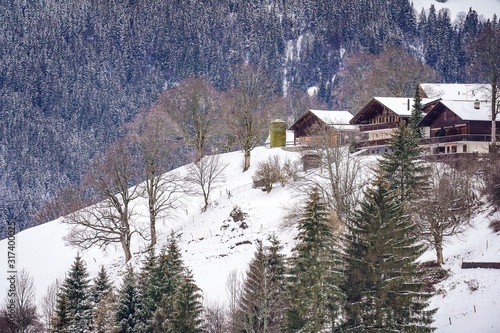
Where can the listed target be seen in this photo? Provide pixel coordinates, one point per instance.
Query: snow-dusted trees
(402, 168)
(21, 315)
(340, 178)
(74, 304)
(204, 175)
(110, 220)
(261, 303)
(127, 304)
(156, 148)
(315, 274)
(448, 206)
(169, 299)
(383, 286)
(249, 107)
(194, 107)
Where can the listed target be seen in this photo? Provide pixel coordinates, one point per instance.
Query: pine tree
(161, 276)
(315, 273)
(416, 114)
(103, 299)
(261, 304)
(403, 169)
(127, 304)
(74, 311)
(102, 286)
(61, 320)
(187, 307)
(384, 287)
(166, 279)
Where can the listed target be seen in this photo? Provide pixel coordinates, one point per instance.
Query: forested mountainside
(73, 72)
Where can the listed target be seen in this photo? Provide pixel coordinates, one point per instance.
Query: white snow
(212, 253)
(402, 106)
(466, 111)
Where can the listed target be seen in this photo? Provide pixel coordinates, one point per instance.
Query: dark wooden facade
(307, 125)
(444, 122)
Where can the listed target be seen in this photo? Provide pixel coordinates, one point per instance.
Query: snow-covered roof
(402, 106)
(466, 111)
(333, 117)
(457, 91)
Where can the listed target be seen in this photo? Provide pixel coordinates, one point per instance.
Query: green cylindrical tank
(277, 133)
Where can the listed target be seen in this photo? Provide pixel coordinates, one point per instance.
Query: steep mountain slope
(71, 70)
(213, 250)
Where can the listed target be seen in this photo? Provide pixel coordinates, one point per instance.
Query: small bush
(268, 173)
(495, 225)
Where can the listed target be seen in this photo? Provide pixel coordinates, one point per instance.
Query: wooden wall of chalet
(308, 125)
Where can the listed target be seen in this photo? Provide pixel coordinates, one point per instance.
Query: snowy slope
(213, 252)
(485, 8)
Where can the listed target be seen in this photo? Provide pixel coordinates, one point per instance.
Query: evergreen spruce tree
(61, 320)
(383, 287)
(147, 304)
(160, 278)
(165, 280)
(74, 311)
(187, 307)
(403, 169)
(315, 273)
(103, 299)
(102, 286)
(417, 114)
(261, 304)
(127, 304)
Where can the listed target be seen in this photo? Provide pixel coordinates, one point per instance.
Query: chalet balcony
(374, 127)
(457, 138)
(430, 141)
(372, 143)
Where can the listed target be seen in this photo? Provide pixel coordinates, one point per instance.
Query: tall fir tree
(103, 299)
(102, 286)
(127, 304)
(315, 273)
(416, 114)
(402, 166)
(383, 287)
(260, 308)
(161, 276)
(74, 310)
(187, 307)
(61, 320)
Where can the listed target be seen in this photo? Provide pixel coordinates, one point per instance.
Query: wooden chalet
(316, 122)
(380, 116)
(458, 127)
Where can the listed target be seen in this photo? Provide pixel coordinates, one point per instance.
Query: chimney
(477, 104)
(408, 104)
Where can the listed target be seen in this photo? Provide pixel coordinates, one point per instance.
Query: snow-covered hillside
(483, 7)
(212, 252)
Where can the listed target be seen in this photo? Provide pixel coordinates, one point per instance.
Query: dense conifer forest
(73, 72)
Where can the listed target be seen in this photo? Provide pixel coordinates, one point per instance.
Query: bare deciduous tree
(340, 177)
(23, 315)
(270, 172)
(150, 134)
(194, 107)
(233, 290)
(48, 305)
(448, 206)
(393, 72)
(250, 105)
(109, 221)
(205, 175)
(214, 318)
